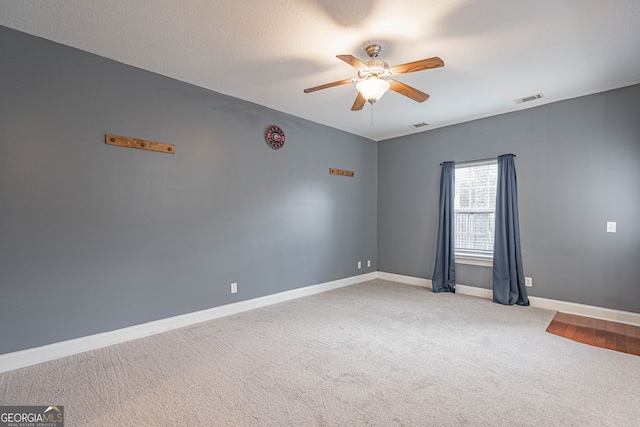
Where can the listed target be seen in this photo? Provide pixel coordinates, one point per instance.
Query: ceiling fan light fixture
(372, 89)
(371, 83)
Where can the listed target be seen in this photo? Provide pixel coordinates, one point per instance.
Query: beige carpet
(376, 353)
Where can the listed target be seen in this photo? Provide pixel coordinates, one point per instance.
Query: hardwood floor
(599, 333)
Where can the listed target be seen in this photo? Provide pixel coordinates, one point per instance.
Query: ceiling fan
(371, 82)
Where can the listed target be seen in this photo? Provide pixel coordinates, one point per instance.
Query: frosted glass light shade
(372, 89)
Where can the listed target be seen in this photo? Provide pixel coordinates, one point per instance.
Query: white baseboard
(32, 356)
(407, 280)
(426, 283)
(474, 291)
(549, 304)
(23, 358)
(587, 310)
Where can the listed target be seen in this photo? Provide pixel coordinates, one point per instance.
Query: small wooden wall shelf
(341, 172)
(141, 144)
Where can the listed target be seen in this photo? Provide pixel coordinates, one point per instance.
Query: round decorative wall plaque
(274, 137)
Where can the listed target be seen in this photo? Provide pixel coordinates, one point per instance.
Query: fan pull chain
(371, 114)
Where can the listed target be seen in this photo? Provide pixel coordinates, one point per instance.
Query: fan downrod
(373, 51)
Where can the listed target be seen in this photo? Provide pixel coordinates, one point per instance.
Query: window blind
(474, 209)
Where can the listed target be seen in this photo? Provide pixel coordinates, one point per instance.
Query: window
(475, 209)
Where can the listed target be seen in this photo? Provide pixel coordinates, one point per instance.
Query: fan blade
(328, 85)
(410, 67)
(359, 103)
(353, 61)
(408, 91)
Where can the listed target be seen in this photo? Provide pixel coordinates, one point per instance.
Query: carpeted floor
(377, 353)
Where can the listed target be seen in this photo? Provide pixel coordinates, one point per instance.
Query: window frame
(468, 257)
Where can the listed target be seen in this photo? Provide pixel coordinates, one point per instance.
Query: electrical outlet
(359, 264)
(528, 281)
(234, 288)
(368, 263)
(611, 227)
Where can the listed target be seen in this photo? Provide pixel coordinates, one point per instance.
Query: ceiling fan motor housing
(373, 50)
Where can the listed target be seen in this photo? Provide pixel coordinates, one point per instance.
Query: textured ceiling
(268, 51)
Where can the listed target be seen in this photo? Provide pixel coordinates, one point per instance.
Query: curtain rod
(475, 161)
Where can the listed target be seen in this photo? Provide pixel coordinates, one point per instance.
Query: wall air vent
(419, 125)
(528, 98)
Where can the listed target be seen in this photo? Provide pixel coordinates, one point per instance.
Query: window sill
(484, 262)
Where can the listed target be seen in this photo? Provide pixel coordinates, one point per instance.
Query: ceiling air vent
(419, 125)
(528, 98)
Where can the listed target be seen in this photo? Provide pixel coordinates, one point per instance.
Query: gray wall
(96, 237)
(578, 166)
